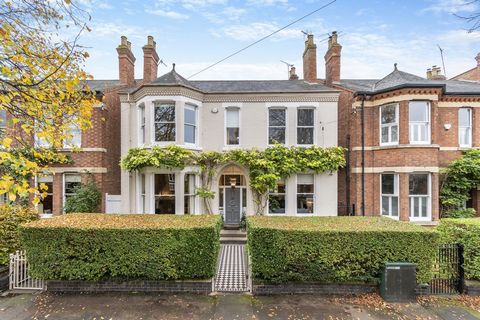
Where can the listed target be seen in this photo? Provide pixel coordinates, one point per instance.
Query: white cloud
(257, 30)
(451, 6)
(168, 14)
(267, 2)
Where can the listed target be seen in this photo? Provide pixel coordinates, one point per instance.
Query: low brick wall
(194, 286)
(4, 278)
(313, 288)
(472, 288)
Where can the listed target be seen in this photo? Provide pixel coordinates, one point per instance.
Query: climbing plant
(265, 167)
(460, 177)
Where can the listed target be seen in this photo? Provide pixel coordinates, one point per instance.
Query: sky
(193, 34)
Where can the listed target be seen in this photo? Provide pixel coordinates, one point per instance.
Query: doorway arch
(232, 191)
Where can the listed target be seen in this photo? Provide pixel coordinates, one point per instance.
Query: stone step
(233, 240)
(233, 233)
(231, 226)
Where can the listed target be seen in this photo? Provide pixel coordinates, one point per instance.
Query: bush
(114, 246)
(10, 219)
(336, 249)
(467, 233)
(460, 214)
(86, 198)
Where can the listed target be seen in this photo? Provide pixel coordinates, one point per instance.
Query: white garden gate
(19, 276)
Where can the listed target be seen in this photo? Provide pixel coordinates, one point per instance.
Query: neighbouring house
(472, 74)
(400, 131)
(219, 116)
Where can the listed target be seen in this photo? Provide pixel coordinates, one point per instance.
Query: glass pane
(70, 187)
(189, 134)
(220, 197)
(388, 183)
(394, 206)
(165, 132)
(304, 135)
(164, 184)
(394, 133)
(46, 205)
(279, 188)
(418, 184)
(189, 205)
(142, 184)
(276, 204)
(304, 188)
(305, 117)
(418, 111)
(385, 134)
(276, 117)
(464, 135)
(190, 115)
(165, 205)
(304, 204)
(233, 118)
(276, 135)
(388, 114)
(226, 180)
(233, 135)
(385, 206)
(464, 117)
(423, 206)
(165, 113)
(416, 206)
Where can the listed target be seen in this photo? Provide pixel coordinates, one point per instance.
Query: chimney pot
(293, 74)
(123, 41)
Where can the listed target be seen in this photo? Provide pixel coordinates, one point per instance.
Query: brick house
(472, 74)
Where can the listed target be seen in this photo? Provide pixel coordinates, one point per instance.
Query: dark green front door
(232, 206)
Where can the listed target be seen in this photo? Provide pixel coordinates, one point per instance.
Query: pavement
(140, 306)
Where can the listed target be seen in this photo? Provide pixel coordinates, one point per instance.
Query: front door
(232, 206)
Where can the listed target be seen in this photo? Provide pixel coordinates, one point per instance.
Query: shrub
(467, 233)
(335, 249)
(460, 214)
(114, 246)
(86, 198)
(10, 219)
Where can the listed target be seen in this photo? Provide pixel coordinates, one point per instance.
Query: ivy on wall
(460, 177)
(265, 167)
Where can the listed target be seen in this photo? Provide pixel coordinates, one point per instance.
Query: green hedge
(335, 249)
(10, 219)
(107, 246)
(467, 233)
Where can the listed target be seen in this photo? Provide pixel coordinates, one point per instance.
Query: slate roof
(399, 79)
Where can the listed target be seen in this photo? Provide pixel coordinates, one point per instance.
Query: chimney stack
(150, 60)
(333, 60)
(126, 63)
(478, 59)
(435, 73)
(293, 74)
(310, 60)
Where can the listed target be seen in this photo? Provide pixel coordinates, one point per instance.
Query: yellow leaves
(6, 142)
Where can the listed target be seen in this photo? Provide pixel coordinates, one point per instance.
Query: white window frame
(270, 126)
(389, 125)
(39, 180)
(142, 122)
(469, 128)
(297, 194)
(415, 125)
(194, 125)
(312, 126)
(396, 194)
(159, 104)
(64, 195)
(75, 131)
(238, 109)
(285, 194)
(428, 199)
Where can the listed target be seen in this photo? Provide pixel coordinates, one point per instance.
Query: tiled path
(232, 269)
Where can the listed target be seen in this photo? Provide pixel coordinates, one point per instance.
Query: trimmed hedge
(114, 246)
(10, 219)
(336, 249)
(467, 233)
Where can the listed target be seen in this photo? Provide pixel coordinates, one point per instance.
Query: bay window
(164, 120)
(232, 124)
(389, 194)
(389, 124)
(419, 122)
(276, 199)
(164, 193)
(419, 194)
(305, 126)
(190, 124)
(276, 125)
(465, 127)
(305, 193)
(189, 194)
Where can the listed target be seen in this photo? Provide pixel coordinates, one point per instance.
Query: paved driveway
(156, 306)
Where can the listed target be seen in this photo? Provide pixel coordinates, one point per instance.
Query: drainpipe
(363, 154)
(347, 177)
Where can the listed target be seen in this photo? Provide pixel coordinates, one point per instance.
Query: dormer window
(164, 122)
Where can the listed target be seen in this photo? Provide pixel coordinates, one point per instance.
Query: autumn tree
(43, 88)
